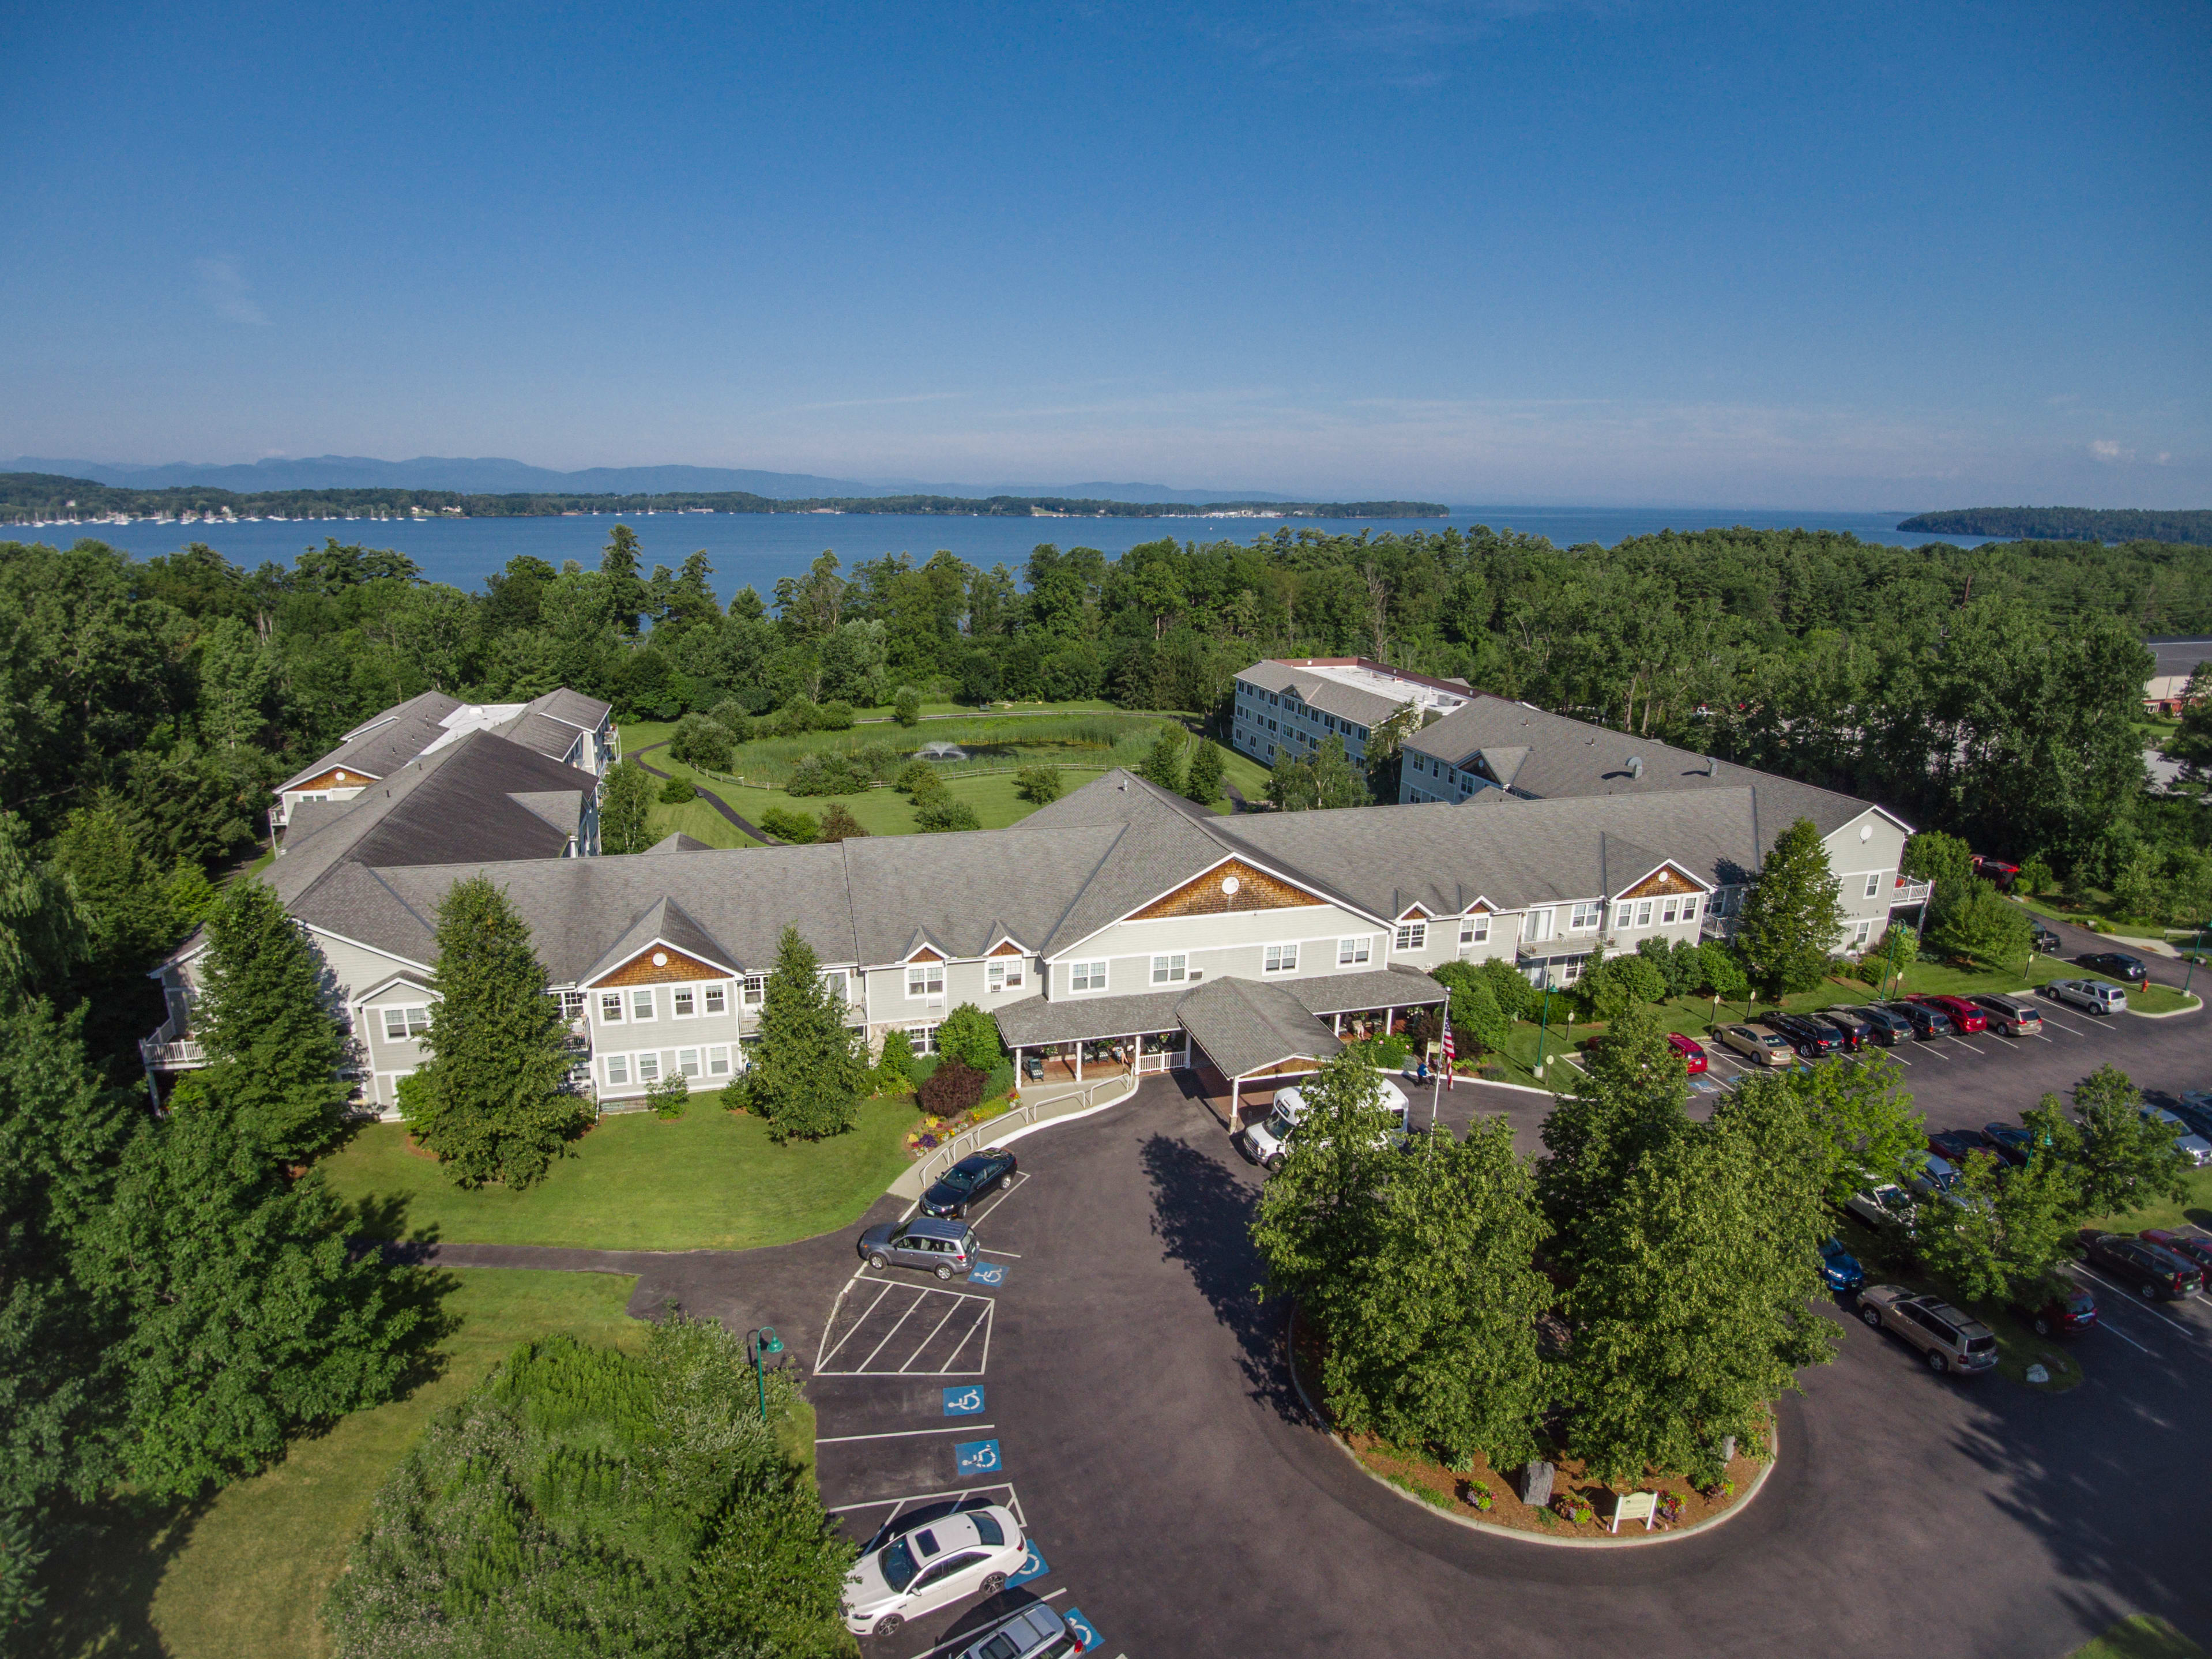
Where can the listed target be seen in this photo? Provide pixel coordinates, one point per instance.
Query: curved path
(728, 812)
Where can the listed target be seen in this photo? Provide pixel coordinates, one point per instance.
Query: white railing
(1029, 1112)
(1910, 892)
(170, 1050)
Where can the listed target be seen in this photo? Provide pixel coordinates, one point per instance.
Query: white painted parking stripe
(900, 1434)
(931, 1338)
(823, 1362)
(946, 1369)
(2123, 1336)
(894, 1330)
(947, 1646)
(2138, 1302)
(1021, 1180)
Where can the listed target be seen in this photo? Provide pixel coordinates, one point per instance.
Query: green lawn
(2142, 1637)
(707, 1181)
(2196, 1206)
(698, 819)
(243, 1575)
(887, 812)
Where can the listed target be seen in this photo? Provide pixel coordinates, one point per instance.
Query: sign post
(1635, 1506)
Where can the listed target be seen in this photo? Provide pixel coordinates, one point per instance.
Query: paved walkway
(708, 796)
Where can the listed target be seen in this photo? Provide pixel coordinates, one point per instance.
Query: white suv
(1267, 1141)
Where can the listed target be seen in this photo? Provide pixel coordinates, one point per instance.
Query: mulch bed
(1454, 1493)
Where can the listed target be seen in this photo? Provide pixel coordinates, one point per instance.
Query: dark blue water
(756, 548)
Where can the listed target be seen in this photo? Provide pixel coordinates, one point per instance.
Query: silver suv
(1949, 1340)
(1035, 1632)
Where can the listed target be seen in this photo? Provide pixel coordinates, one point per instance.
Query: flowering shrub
(1477, 1493)
(1670, 1506)
(1573, 1506)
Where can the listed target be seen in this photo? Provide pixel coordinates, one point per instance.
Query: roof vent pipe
(1636, 766)
(1712, 766)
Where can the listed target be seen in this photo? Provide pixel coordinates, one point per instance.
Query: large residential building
(1298, 703)
(1120, 924)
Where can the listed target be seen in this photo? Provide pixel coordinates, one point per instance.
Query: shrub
(2036, 876)
(825, 775)
(730, 714)
(836, 715)
(1478, 1023)
(799, 828)
(671, 1096)
(950, 1090)
(907, 707)
(895, 1065)
(676, 792)
(969, 1035)
(919, 778)
(934, 815)
(797, 716)
(702, 741)
(1040, 784)
(839, 824)
(1516, 998)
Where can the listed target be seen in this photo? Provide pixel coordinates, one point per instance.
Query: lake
(757, 547)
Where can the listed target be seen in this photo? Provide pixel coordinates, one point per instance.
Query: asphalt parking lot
(1137, 1417)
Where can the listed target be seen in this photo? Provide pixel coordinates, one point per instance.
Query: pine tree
(43, 933)
(248, 1317)
(1206, 767)
(264, 1015)
(1165, 764)
(493, 1101)
(808, 1073)
(1792, 920)
(626, 809)
(619, 563)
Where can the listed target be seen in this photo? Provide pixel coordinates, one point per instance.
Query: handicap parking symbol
(987, 1272)
(1082, 1629)
(964, 1403)
(1033, 1566)
(976, 1456)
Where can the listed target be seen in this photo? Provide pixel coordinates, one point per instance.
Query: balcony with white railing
(1910, 892)
(170, 1049)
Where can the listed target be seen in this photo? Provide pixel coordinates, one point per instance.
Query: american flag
(1451, 1054)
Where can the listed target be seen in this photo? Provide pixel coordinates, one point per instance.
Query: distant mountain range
(493, 475)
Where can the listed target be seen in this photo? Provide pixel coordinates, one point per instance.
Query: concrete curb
(2171, 1013)
(1068, 1117)
(1639, 1541)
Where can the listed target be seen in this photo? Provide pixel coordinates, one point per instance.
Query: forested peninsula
(43, 497)
(2066, 524)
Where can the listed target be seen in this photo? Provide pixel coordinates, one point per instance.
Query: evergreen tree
(1793, 917)
(626, 809)
(264, 1015)
(810, 1069)
(246, 1318)
(1207, 766)
(619, 564)
(1630, 1105)
(838, 823)
(1165, 764)
(493, 1101)
(121, 891)
(894, 1069)
(1982, 929)
(1437, 1342)
(43, 933)
(1692, 1311)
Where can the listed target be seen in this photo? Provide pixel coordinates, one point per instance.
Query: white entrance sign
(1635, 1506)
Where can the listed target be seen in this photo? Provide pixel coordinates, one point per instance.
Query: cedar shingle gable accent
(1007, 948)
(338, 777)
(1665, 880)
(1255, 890)
(642, 969)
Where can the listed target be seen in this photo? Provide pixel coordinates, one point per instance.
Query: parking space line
(2060, 1023)
(822, 1364)
(1021, 1180)
(931, 1338)
(2138, 1302)
(900, 1434)
(947, 1646)
(2124, 1336)
(946, 1370)
(894, 1330)
(962, 1494)
(1929, 1049)
(1011, 1256)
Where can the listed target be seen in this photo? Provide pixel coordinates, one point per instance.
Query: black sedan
(1889, 1029)
(1956, 1146)
(2118, 963)
(2008, 1141)
(1850, 1024)
(951, 1193)
(1927, 1022)
(1812, 1038)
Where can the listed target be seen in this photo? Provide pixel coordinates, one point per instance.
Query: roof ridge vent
(1636, 766)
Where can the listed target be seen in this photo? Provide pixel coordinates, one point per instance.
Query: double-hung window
(718, 1061)
(1086, 976)
(1670, 911)
(1280, 959)
(754, 991)
(1586, 915)
(1874, 884)
(1412, 936)
(572, 1005)
(649, 1066)
(1353, 953)
(1170, 970)
(617, 1071)
(925, 979)
(1689, 909)
(1004, 973)
(718, 998)
(922, 1039)
(1473, 930)
(640, 1004)
(687, 1061)
(611, 1007)
(683, 1003)
(1643, 913)
(399, 1024)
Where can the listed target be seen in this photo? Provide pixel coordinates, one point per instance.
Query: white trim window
(641, 1009)
(718, 1061)
(837, 981)
(1086, 976)
(718, 998)
(1690, 908)
(1475, 930)
(1003, 974)
(574, 1004)
(611, 1007)
(1355, 952)
(1280, 959)
(649, 1066)
(400, 1024)
(1412, 936)
(683, 1002)
(1670, 912)
(1536, 925)
(1170, 970)
(1589, 915)
(922, 1039)
(617, 1068)
(687, 1062)
(925, 979)
(754, 990)
(1874, 884)
(1862, 934)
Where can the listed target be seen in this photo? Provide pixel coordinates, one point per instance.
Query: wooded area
(2070, 524)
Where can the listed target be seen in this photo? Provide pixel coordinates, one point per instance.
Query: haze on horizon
(1476, 251)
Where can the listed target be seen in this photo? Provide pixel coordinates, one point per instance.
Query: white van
(1265, 1140)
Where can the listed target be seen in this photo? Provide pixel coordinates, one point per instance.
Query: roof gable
(1231, 887)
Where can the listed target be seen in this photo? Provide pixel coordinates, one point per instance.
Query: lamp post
(759, 1344)
(1543, 1024)
(2189, 976)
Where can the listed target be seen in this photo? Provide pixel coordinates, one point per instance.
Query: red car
(1692, 1054)
(2197, 1252)
(1995, 870)
(1965, 1016)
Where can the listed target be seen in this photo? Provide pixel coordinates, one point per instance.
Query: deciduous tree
(2127, 1162)
(1630, 1105)
(1983, 929)
(1792, 920)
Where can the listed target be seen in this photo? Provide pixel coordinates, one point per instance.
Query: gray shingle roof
(1244, 1026)
(571, 707)
(383, 744)
(1354, 994)
(677, 842)
(1035, 1021)
(543, 733)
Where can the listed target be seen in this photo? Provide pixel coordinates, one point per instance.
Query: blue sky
(1842, 255)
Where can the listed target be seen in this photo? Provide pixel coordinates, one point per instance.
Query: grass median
(710, 1180)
